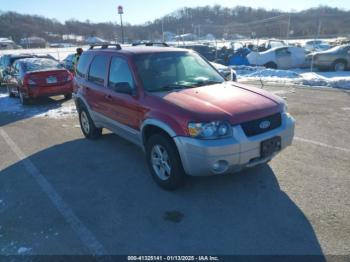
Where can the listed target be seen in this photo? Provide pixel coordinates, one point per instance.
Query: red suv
(180, 110)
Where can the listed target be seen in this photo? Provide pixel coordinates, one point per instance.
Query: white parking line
(79, 228)
(321, 144)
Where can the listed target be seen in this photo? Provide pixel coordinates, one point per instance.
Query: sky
(139, 12)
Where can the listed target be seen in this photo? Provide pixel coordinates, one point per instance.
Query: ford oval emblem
(265, 124)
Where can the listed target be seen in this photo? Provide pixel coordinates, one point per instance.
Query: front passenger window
(119, 74)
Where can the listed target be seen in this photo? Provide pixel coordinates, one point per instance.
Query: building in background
(6, 43)
(33, 42)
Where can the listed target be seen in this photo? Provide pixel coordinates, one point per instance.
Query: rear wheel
(164, 162)
(271, 65)
(87, 125)
(24, 100)
(339, 65)
(9, 92)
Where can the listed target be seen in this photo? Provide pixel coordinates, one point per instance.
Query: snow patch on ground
(62, 112)
(297, 76)
(50, 109)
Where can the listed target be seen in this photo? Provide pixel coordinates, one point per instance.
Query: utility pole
(163, 30)
(121, 12)
(314, 46)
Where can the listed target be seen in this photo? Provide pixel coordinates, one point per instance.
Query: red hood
(229, 101)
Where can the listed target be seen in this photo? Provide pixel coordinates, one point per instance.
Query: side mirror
(122, 87)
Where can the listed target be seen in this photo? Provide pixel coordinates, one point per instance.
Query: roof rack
(151, 44)
(105, 46)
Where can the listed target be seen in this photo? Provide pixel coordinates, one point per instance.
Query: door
(95, 86)
(283, 58)
(123, 107)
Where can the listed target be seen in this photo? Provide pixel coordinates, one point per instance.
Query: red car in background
(39, 77)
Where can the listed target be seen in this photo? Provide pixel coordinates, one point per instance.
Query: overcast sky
(138, 11)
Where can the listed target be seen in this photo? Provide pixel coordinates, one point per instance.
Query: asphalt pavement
(63, 194)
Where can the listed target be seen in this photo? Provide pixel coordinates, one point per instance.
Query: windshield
(39, 64)
(175, 70)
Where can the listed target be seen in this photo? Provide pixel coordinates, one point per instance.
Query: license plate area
(270, 146)
(51, 80)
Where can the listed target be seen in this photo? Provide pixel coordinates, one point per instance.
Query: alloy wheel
(161, 162)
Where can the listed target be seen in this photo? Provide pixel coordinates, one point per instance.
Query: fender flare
(160, 124)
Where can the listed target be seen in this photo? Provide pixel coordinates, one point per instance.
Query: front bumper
(238, 152)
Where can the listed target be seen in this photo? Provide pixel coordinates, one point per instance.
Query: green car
(336, 58)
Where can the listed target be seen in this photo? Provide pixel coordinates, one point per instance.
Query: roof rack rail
(151, 44)
(105, 46)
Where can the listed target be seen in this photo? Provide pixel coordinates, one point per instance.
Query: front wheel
(164, 162)
(87, 125)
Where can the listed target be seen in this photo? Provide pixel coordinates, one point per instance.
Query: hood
(233, 102)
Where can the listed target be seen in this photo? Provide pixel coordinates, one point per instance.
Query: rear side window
(83, 65)
(98, 69)
(119, 73)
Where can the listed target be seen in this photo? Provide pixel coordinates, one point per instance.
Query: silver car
(336, 58)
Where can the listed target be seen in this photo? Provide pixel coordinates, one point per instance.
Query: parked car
(7, 61)
(206, 51)
(271, 43)
(149, 43)
(280, 57)
(228, 73)
(180, 110)
(316, 45)
(39, 77)
(336, 58)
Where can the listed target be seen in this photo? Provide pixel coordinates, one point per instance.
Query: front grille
(252, 128)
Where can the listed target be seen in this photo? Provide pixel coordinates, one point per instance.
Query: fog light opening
(220, 166)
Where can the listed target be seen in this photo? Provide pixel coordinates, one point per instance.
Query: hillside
(217, 20)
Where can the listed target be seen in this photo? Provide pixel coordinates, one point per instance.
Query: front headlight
(211, 130)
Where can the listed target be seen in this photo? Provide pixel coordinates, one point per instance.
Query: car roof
(136, 50)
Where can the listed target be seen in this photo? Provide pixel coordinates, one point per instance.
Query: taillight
(27, 81)
(69, 77)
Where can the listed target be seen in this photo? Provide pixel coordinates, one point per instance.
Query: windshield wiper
(173, 87)
(207, 83)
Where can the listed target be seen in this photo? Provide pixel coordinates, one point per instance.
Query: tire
(164, 162)
(271, 65)
(24, 101)
(9, 92)
(87, 125)
(339, 65)
(68, 96)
